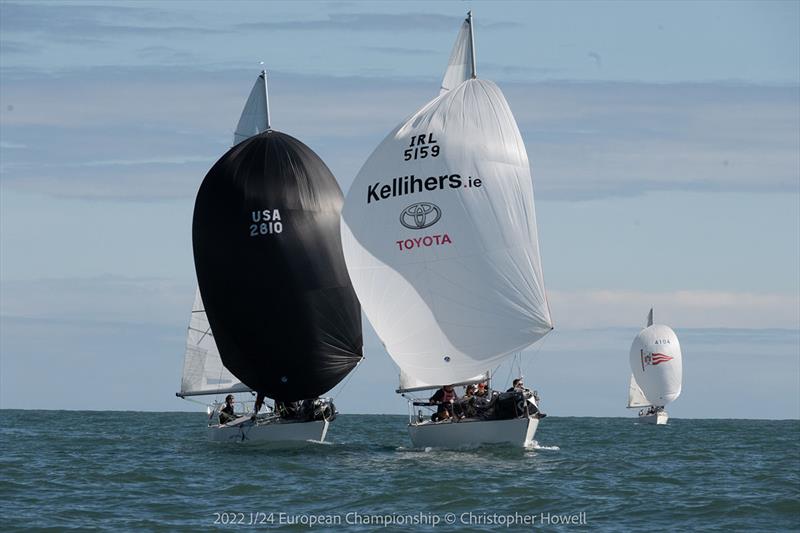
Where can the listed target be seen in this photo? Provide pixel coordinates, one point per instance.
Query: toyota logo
(420, 215)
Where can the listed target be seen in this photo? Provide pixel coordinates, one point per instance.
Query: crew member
(226, 414)
(444, 398)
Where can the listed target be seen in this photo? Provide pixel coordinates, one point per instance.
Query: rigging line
(537, 350)
(195, 401)
(510, 370)
(349, 377)
(219, 381)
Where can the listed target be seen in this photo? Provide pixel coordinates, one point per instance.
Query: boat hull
(660, 418)
(468, 433)
(280, 432)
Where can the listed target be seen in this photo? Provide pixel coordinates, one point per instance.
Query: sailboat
(656, 372)
(285, 319)
(441, 243)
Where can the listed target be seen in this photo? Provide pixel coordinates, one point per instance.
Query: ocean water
(155, 471)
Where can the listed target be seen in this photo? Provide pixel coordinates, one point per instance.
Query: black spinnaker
(270, 268)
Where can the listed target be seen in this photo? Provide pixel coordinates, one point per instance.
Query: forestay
(440, 238)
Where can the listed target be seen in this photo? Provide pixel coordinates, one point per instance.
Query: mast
(472, 44)
(266, 97)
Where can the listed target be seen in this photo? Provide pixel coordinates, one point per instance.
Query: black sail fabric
(270, 267)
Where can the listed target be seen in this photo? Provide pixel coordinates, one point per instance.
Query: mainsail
(656, 364)
(440, 238)
(203, 371)
(255, 116)
(269, 264)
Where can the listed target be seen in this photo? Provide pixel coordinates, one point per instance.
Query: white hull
(516, 431)
(279, 432)
(659, 418)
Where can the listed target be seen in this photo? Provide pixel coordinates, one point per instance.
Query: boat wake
(323, 442)
(536, 446)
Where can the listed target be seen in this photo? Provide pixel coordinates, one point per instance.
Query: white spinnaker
(636, 397)
(656, 364)
(255, 118)
(469, 291)
(459, 67)
(203, 371)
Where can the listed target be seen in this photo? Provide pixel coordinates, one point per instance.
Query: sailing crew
(444, 398)
(482, 391)
(226, 414)
(465, 406)
(517, 386)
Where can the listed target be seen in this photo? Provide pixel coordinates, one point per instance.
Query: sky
(664, 139)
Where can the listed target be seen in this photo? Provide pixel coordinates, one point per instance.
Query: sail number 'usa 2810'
(265, 222)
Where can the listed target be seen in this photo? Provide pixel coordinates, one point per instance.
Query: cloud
(114, 298)
(487, 69)
(166, 54)
(679, 309)
(98, 300)
(373, 22)
(594, 140)
(584, 140)
(103, 333)
(21, 48)
(400, 51)
(5, 145)
(88, 25)
(154, 135)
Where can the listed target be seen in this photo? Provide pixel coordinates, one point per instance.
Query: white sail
(656, 364)
(636, 397)
(203, 372)
(255, 115)
(440, 239)
(461, 65)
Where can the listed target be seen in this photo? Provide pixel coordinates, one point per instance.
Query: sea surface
(157, 472)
